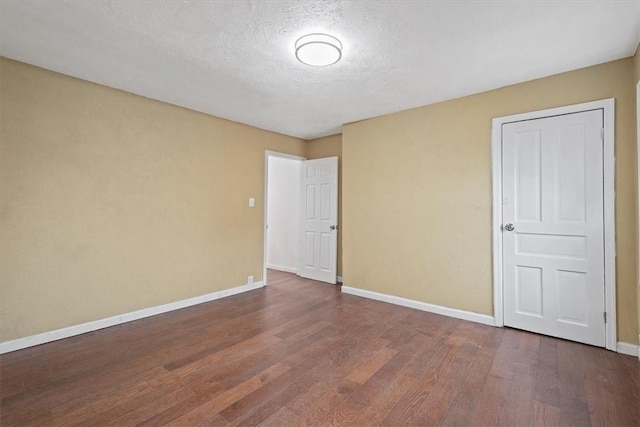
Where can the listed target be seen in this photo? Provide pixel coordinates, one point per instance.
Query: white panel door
(319, 222)
(553, 241)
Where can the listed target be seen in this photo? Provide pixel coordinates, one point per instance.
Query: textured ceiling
(235, 59)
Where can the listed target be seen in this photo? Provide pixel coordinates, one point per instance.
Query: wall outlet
(250, 280)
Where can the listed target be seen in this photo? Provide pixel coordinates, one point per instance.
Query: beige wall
(328, 147)
(417, 192)
(111, 202)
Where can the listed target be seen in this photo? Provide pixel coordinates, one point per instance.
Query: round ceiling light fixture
(318, 49)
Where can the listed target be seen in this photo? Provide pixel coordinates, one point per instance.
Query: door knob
(333, 227)
(509, 227)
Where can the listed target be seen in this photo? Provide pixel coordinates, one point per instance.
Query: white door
(553, 227)
(319, 221)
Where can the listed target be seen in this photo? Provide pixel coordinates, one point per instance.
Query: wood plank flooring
(300, 352)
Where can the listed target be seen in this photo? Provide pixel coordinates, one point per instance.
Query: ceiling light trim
(318, 49)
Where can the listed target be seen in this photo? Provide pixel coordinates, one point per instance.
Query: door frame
(608, 107)
(268, 154)
(638, 196)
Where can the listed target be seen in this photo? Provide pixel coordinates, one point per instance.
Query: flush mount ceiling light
(318, 49)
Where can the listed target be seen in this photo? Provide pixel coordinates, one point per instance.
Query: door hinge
(605, 317)
(602, 134)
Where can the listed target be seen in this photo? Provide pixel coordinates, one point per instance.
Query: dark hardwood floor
(299, 352)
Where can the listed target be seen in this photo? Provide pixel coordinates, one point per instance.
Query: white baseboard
(431, 308)
(630, 349)
(282, 268)
(83, 328)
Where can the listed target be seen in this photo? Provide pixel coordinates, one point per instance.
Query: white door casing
(638, 195)
(553, 183)
(319, 220)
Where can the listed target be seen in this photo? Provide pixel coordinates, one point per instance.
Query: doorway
(281, 211)
(553, 222)
(300, 216)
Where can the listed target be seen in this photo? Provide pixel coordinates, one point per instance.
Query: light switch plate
(252, 202)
